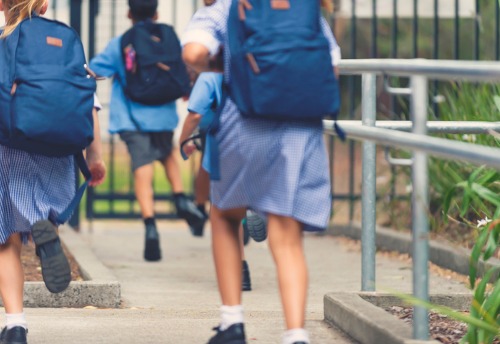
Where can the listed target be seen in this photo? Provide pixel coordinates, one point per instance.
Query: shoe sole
(152, 252)
(196, 232)
(246, 288)
(56, 271)
(194, 219)
(256, 228)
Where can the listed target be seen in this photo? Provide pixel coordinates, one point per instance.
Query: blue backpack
(46, 95)
(49, 110)
(280, 61)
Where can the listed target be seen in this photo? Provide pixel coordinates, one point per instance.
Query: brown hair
(18, 11)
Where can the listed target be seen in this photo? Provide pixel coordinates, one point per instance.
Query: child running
(34, 188)
(204, 100)
(147, 130)
(276, 168)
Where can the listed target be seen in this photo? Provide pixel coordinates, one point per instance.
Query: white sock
(295, 335)
(15, 319)
(230, 315)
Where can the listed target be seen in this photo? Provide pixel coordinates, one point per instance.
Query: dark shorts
(146, 147)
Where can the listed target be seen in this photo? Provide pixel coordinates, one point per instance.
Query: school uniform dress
(272, 167)
(32, 187)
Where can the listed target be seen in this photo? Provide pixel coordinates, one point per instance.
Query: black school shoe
(234, 334)
(197, 229)
(16, 335)
(152, 252)
(187, 210)
(56, 271)
(246, 283)
(256, 226)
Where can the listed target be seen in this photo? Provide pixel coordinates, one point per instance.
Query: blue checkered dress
(32, 187)
(271, 167)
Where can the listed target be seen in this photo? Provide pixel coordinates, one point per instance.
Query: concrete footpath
(176, 300)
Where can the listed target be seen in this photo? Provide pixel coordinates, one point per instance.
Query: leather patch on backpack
(280, 4)
(56, 42)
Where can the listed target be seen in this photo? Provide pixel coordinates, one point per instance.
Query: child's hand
(97, 169)
(188, 149)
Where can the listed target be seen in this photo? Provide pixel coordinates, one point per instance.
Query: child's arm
(94, 154)
(190, 124)
(107, 63)
(204, 35)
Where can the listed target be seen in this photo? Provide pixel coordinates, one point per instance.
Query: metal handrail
(433, 69)
(442, 127)
(419, 71)
(444, 148)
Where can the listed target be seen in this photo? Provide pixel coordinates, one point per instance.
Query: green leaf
(488, 177)
(481, 304)
(486, 194)
(476, 254)
(497, 215)
(447, 200)
(466, 201)
(496, 99)
(491, 246)
(481, 336)
(492, 304)
(470, 337)
(476, 173)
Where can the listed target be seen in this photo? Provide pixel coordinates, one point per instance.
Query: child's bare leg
(186, 209)
(12, 275)
(242, 244)
(227, 253)
(202, 187)
(143, 182)
(285, 241)
(173, 172)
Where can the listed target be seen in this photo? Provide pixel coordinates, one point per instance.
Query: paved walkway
(176, 300)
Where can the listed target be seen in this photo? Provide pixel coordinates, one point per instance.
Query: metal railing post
(420, 202)
(368, 251)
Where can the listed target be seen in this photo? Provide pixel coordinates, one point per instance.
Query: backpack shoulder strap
(82, 165)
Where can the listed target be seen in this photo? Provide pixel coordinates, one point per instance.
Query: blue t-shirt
(205, 97)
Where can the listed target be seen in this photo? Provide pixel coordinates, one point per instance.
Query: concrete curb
(362, 317)
(100, 288)
(441, 254)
